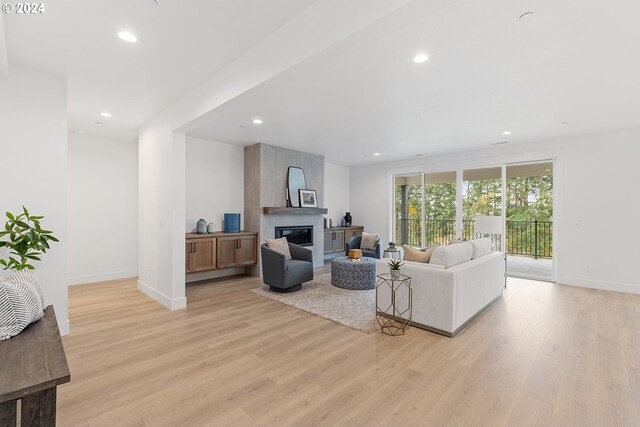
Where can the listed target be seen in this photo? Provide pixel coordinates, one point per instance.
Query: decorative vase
(347, 219)
(231, 222)
(395, 274)
(201, 226)
(211, 228)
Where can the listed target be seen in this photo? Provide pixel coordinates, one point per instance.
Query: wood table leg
(39, 409)
(8, 413)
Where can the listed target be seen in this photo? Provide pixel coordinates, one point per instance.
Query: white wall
(161, 142)
(336, 192)
(102, 209)
(33, 143)
(214, 181)
(595, 185)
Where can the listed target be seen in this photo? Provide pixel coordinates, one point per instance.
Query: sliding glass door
(439, 208)
(511, 204)
(529, 222)
(408, 209)
(481, 195)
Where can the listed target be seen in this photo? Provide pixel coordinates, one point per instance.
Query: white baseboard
(628, 288)
(101, 277)
(171, 304)
(64, 327)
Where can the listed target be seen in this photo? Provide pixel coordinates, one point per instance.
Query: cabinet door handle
(193, 248)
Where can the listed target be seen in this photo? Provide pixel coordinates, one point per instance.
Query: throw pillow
(418, 255)
(451, 255)
(481, 247)
(369, 241)
(21, 303)
(280, 245)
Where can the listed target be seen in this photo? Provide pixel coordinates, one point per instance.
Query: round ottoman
(353, 274)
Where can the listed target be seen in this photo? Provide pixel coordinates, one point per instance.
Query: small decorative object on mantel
(355, 254)
(21, 299)
(394, 268)
(348, 220)
(308, 198)
(211, 228)
(342, 223)
(201, 226)
(392, 245)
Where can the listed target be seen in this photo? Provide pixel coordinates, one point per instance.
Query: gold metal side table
(394, 301)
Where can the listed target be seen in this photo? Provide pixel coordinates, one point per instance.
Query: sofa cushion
(426, 265)
(419, 255)
(280, 245)
(481, 247)
(369, 241)
(451, 255)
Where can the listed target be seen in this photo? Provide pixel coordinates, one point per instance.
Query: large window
(439, 208)
(481, 195)
(408, 209)
(436, 208)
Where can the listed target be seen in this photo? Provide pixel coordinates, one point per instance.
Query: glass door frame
(459, 198)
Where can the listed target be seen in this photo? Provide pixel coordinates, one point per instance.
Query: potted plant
(394, 268)
(392, 245)
(26, 240)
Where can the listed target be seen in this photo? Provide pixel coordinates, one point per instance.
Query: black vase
(347, 219)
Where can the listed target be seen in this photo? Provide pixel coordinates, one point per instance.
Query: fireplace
(300, 234)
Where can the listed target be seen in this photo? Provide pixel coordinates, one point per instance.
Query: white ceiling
(574, 61)
(181, 43)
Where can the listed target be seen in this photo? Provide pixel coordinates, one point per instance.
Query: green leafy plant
(392, 244)
(26, 240)
(395, 264)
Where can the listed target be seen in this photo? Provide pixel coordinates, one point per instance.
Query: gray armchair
(286, 275)
(354, 243)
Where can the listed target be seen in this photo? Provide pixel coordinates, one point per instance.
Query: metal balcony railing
(524, 238)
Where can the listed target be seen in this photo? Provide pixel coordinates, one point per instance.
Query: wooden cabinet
(335, 238)
(200, 254)
(333, 241)
(352, 231)
(239, 250)
(220, 250)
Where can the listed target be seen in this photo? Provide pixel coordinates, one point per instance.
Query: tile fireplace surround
(265, 181)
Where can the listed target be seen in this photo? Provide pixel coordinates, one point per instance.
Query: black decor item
(348, 219)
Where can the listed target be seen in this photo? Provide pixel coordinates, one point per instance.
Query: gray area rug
(355, 309)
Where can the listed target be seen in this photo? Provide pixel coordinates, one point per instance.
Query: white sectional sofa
(459, 283)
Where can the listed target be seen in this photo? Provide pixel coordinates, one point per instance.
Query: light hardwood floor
(543, 355)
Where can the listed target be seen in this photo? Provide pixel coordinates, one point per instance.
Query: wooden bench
(32, 365)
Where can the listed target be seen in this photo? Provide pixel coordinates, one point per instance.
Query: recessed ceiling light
(421, 58)
(105, 114)
(376, 154)
(506, 132)
(127, 36)
(257, 121)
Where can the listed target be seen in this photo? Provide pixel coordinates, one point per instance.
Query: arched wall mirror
(295, 182)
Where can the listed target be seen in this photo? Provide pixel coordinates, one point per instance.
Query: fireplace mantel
(294, 211)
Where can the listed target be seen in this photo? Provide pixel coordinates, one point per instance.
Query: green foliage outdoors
(25, 239)
(528, 199)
